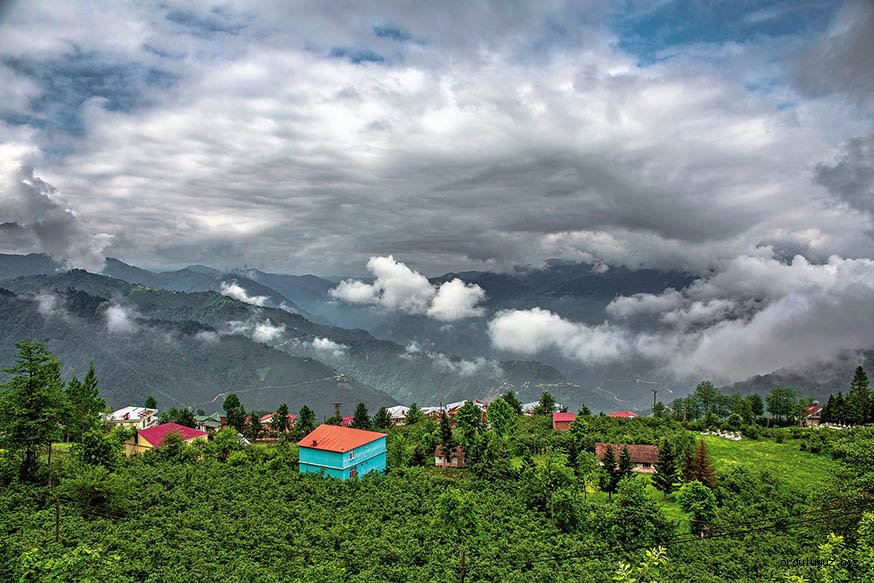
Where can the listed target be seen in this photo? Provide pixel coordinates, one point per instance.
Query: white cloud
(234, 290)
(49, 305)
(536, 330)
(397, 287)
(207, 337)
(467, 367)
(629, 306)
(756, 316)
(329, 346)
(120, 320)
(456, 300)
(266, 332)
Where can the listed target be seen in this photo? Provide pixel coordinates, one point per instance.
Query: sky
(724, 139)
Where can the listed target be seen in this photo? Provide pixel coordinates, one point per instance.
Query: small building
(208, 423)
(342, 452)
(267, 421)
(153, 437)
(813, 416)
(398, 414)
(456, 458)
(563, 421)
(132, 417)
(623, 415)
(643, 456)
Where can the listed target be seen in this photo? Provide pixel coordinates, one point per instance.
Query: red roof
(347, 420)
(269, 417)
(623, 414)
(640, 454)
(563, 417)
(336, 438)
(814, 410)
(156, 435)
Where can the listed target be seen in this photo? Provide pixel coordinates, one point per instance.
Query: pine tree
(626, 465)
(235, 413)
(361, 419)
(86, 405)
(828, 410)
(666, 476)
(608, 479)
(546, 405)
(703, 467)
(306, 422)
(688, 469)
(513, 401)
(254, 429)
(858, 400)
(414, 415)
(501, 416)
(382, 419)
(150, 403)
(840, 409)
(32, 404)
(279, 422)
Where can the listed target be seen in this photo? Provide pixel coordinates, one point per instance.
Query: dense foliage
(526, 509)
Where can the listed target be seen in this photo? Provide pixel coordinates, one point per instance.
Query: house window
(351, 455)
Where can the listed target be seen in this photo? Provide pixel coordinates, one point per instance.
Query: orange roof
(336, 438)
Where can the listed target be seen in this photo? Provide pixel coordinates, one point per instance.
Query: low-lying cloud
(397, 287)
(328, 346)
(234, 290)
(755, 316)
(120, 320)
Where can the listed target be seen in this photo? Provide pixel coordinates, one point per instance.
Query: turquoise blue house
(342, 452)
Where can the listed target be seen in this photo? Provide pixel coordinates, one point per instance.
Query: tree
(546, 405)
(647, 571)
(32, 404)
(151, 403)
(584, 411)
(382, 419)
(500, 416)
(96, 449)
(181, 416)
(279, 422)
(468, 420)
(858, 399)
(609, 476)
(757, 406)
(254, 429)
(626, 465)
(306, 422)
(513, 401)
(702, 467)
(667, 472)
(361, 419)
(456, 515)
(86, 405)
(708, 395)
(781, 402)
(660, 411)
(235, 413)
(699, 501)
(414, 415)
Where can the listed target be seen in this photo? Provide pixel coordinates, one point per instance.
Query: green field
(796, 468)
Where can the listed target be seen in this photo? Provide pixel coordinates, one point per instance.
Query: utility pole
(337, 410)
(654, 393)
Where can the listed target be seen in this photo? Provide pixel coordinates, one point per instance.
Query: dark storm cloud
(851, 178)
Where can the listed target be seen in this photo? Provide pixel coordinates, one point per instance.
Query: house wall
(368, 458)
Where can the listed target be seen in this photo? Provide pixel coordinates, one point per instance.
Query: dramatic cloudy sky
(721, 138)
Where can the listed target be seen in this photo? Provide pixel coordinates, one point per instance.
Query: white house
(133, 417)
(398, 414)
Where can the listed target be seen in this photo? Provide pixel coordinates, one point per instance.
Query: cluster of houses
(341, 451)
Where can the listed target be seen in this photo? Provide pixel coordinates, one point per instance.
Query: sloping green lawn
(797, 469)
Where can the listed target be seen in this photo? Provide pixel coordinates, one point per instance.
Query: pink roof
(347, 420)
(560, 417)
(336, 438)
(624, 414)
(156, 435)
